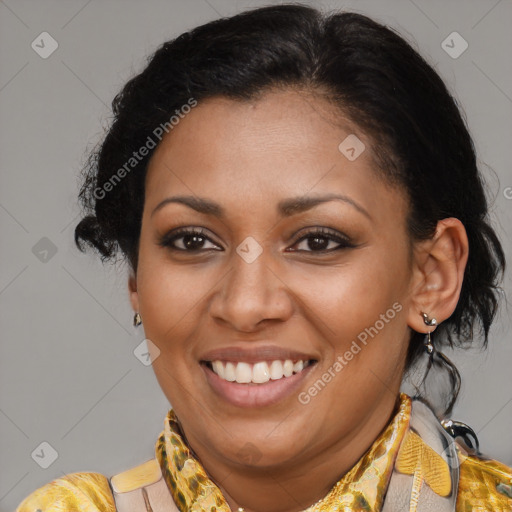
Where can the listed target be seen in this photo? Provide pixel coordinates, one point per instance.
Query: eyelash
(168, 239)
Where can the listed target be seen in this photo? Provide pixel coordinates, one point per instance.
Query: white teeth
(258, 373)
(243, 373)
(229, 372)
(276, 370)
(288, 368)
(218, 368)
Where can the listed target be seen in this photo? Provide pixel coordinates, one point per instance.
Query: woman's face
(281, 270)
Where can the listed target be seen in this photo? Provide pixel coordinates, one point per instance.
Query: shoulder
(140, 488)
(80, 492)
(484, 484)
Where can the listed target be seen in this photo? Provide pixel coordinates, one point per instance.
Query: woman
(300, 236)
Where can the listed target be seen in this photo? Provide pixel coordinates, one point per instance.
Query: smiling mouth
(257, 373)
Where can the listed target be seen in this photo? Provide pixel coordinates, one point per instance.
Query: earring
(137, 320)
(439, 392)
(429, 347)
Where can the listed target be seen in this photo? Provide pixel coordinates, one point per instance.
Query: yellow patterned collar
(361, 489)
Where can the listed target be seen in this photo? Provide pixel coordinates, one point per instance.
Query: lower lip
(255, 395)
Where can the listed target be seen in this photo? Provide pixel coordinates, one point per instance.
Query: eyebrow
(285, 208)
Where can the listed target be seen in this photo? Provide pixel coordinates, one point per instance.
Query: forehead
(286, 126)
(285, 143)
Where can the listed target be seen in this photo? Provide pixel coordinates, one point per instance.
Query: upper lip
(254, 354)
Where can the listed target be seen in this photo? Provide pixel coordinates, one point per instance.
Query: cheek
(353, 296)
(361, 309)
(169, 296)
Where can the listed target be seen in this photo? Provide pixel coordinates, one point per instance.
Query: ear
(134, 296)
(438, 272)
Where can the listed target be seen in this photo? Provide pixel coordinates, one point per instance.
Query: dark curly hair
(369, 72)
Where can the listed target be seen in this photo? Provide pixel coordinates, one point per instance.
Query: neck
(295, 486)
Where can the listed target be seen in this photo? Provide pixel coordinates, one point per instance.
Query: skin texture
(248, 156)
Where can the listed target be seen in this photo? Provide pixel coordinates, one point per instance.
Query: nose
(252, 294)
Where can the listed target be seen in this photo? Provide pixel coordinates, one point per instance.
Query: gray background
(68, 375)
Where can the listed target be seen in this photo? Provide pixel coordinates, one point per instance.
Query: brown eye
(323, 240)
(187, 240)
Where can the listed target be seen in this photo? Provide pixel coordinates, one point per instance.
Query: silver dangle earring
(137, 320)
(442, 395)
(429, 347)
